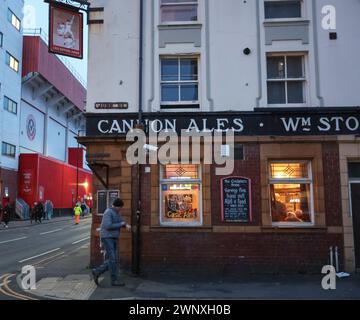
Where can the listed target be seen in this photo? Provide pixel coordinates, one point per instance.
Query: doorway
(354, 179)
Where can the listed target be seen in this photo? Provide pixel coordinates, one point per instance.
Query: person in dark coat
(6, 215)
(40, 211)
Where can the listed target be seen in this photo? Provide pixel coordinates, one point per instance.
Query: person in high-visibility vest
(77, 212)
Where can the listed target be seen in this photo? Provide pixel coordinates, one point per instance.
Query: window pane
(282, 9)
(169, 92)
(180, 171)
(169, 70)
(188, 69)
(276, 67)
(295, 92)
(276, 92)
(290, 203)
(189, 92)
(289, 170)
(179, 13)
(295, 67)
(354, 170)
(180, 202)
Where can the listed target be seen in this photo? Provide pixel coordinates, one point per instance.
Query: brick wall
(232, 252)
(332, 184)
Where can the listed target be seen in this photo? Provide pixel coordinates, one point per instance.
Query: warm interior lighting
(289, 171)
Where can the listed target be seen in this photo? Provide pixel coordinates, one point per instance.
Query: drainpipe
(136, 232)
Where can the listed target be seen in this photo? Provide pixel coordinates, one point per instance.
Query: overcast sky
(36, 15)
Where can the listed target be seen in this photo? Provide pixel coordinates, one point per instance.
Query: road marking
(12, 240)
(37, 264)
(39, 255)
(87, 238)
(50, 231)
(12, 292)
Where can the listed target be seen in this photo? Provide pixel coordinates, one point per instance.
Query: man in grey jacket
(110, 227)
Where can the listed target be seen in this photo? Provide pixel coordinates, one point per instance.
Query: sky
(36, 15)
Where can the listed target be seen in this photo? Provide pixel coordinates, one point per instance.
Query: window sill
(288, 105)
(295, 229)
(180, 106)
(170, 228)
(179, 25)
(286, 21)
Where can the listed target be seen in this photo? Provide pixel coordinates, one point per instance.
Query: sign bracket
(81, 5)
(96, 167)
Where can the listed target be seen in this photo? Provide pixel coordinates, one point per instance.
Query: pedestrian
(111, 224)
(1, 213)
(40, 211)
(6, 215)
(33, 215)
(77, 213)
(48, 210)
(83, 209)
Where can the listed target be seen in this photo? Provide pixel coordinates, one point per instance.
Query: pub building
(291, 202)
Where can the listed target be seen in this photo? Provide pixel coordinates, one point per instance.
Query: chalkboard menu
(105, 199)
(112, 195)
(101, 201)
(236, 199)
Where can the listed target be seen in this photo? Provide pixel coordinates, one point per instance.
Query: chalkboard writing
(236, 199)
(113, 194)
(101, 201)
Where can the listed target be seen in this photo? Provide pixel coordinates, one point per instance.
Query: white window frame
(180, 103)
(7, 102)
(183, 181)
(8, 145)
(12, 62)
(14, 20)
(161, 5)
(304, 79)
(308, 180)
(303, 13)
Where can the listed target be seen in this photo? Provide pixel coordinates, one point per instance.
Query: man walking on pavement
(77, 213)
(110, 227)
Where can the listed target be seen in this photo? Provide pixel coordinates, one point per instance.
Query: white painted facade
(56, 129)
(10, 80)
(228, 78)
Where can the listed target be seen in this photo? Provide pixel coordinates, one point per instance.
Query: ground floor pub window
(180, 195)
(291, 193)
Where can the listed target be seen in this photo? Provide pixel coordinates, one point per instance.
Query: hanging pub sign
(236, 199)
(65, 30)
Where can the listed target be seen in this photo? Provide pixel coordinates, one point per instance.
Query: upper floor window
(1, 39)
(10, 105)
(291, 192)
(283, 9)
(8, 150)
(286, 79)
(179, 81)
(12, 62)
(14, 20)
(178, 10)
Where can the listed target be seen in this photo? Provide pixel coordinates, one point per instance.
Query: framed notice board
(101, 201)
(112, 195)
(236, 199)
(105, 199)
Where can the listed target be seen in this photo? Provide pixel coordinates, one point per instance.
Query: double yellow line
(4, 288)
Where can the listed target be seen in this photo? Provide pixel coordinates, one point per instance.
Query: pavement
(65, 275)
